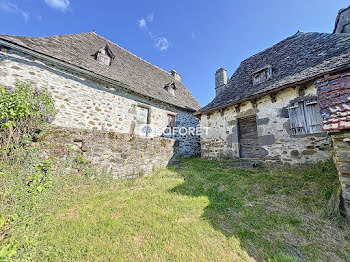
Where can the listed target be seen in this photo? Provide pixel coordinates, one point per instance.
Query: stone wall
(222, 142)
(341, 142)
(124, 155)
(90, 104)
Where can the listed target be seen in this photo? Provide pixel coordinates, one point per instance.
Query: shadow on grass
(276, 213)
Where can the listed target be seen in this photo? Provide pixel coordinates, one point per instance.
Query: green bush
(24, 112)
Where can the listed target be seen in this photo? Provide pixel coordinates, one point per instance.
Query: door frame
(239, 132)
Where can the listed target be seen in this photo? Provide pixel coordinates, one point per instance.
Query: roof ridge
(270, 47)
(44, 36)
(298, 33)
(94, 33)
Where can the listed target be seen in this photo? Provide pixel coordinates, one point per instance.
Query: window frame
(170, 116)
(148, 112)
(170, 88)
(104, 59)
(268, 72)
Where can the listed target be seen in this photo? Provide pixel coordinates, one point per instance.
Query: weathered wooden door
(248, 138)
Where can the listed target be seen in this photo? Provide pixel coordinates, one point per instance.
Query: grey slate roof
(140, 76)
(295, 59)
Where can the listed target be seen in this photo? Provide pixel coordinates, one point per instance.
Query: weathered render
(90, 95)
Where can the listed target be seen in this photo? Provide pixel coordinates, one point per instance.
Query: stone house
(98, 85)
(268, 109)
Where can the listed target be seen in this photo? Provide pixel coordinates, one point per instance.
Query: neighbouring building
(334, 99)
(98, 85)
(269, 108)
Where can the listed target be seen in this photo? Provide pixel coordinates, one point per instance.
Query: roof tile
(297, 58)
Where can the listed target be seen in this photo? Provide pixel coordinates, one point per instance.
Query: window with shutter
(262, 75)
(305, 117)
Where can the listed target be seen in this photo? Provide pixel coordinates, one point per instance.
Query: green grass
(196, 211)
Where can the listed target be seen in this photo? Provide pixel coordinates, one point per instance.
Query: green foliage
(24, 101)
(24, 112)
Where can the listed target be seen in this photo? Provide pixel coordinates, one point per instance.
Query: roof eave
(258, 95)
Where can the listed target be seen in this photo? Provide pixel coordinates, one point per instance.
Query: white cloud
(14, 9)
(58, 4)
(142, 23)
(159, 42)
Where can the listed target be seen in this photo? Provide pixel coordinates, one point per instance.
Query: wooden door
(248, 138)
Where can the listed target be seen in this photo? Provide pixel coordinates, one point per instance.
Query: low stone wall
(341, 143)
(123, 154)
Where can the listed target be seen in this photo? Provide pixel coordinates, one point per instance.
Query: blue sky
(193, 37)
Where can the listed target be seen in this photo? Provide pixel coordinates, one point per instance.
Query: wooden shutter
(313, 116)
(297, 119)
(305, 117)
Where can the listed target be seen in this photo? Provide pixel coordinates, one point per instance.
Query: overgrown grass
(197, 211)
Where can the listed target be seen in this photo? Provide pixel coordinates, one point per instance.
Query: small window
(305, 117)
(104, 56)
(142, 115)
(262, 75)
(171, 121)
(170, 88)
(103, 59)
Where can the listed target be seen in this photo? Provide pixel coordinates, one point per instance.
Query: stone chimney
(220, 80)
(342, 23)
(176, 75)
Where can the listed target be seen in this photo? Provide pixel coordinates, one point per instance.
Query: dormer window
(105, 56)
(262, 75)
(170, 88)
